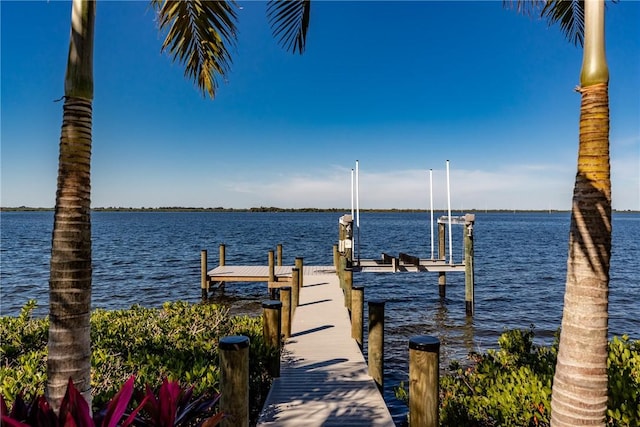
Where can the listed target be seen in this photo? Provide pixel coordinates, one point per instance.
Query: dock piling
(424, 359)
(272, 331)
(375, 342)
(299, 263)
(285, 299)
(348, 286)
(295, 289)
(442, 276)
(469, 279)
(204, 280)
(234, 380)
(357, 308)
(272, 276)
(279, 255)
(222, 255)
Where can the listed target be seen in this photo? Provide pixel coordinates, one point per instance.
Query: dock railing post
(295, 289)
(442, 276)
(234, 380)
(375, 342)
(272, 331)
(285, 299)
(469, 280)
(222, 255)
(336, 256)
(424, 359)
(204, 282)
(357, 308)
(299, 263)
(279, 255)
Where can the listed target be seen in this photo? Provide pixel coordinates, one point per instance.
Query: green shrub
(178, 341)
(624, 382)
(23, 353)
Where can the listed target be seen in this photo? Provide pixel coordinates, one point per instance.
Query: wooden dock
(323, 379)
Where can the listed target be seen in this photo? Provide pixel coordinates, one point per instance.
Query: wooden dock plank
(324, 380)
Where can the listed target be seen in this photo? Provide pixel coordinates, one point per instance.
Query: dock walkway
(323, 379)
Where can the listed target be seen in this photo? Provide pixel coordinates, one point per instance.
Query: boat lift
(347, 252)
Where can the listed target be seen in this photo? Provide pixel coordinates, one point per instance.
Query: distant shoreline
(276, 209)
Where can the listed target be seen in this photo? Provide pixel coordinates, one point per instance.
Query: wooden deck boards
(324, 380)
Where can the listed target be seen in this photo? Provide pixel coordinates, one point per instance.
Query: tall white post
(449, 212)
(431, 204)
(352, 209)
(358, 207)
(352, 192)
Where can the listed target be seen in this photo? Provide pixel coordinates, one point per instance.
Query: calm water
(151, 257)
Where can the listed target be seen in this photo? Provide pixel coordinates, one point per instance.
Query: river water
(520, 265)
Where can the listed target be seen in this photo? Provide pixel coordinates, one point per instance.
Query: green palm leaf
(568, 13)
(289, 20)
(200, 35)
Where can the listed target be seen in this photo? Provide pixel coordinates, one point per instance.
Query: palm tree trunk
(580, 383)
(69, 347)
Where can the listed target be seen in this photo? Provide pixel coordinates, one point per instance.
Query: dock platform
(323, 378)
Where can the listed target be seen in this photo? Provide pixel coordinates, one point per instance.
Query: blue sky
(400, 86)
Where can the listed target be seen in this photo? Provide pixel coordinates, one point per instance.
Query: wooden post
(285, 299)
(272, 277)
(348, 286)
(469, 280)
(279, 254)
(442, 276)
(336, 256)
(272, 330)
(295, 289)
(342, 265)
(234, 381)
(222, 255)
(204, 282)
(375, 342)
(424, 359)
(299, 262)
(357, 308)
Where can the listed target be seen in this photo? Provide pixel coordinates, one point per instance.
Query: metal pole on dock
(469, 279)
(431, 204)
(204, 282)
(234, 380)
(424, 359)
(375, 342)
(279, 254)
(357, 210)
(357, 308)
(222, 254)
(272, 330)
(442, 276)
(285, 299)
(449, 211)
(295, 289)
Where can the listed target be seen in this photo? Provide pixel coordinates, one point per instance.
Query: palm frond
(568, 13)
(289, 20)
(200, 35)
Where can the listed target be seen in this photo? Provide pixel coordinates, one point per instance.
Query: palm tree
(579, 395)
(199, 35)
